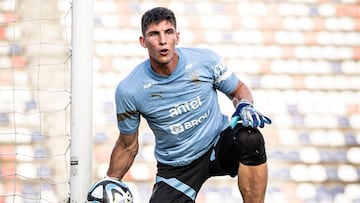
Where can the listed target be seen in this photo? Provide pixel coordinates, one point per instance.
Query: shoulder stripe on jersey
(123, 116)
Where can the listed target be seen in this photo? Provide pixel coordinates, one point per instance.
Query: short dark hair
(156, 15)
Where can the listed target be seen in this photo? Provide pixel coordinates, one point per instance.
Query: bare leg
(252, 182)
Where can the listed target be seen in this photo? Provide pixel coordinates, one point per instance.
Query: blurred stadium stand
(300, 57)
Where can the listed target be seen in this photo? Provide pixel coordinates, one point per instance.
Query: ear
(142, 41)
(177, 38)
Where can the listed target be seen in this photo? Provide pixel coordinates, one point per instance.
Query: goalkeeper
(175, 90)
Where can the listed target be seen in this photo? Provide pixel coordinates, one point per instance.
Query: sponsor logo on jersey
(181, 127)
(185, 107)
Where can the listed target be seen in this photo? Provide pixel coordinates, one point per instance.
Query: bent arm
(123, 155)
(242, 92)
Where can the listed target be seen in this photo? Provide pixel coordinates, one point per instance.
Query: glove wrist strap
(242, 101)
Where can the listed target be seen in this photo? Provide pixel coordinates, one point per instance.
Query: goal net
(35, 95)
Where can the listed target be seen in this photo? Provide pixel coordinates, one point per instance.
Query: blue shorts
(182, 183)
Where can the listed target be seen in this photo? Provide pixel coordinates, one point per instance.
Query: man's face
(160, 40)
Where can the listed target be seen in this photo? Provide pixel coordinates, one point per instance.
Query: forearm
(244, 110)
(122, 157)
(242, 92)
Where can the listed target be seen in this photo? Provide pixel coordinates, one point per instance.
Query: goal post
(81, 100)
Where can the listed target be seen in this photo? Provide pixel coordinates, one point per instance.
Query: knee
(250, 146)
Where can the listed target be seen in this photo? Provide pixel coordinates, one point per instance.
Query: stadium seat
(48, 193)
(332, 173)
(339, 155)
(348, 173)
(352, 191)
(37, 137)
(336, 190)
(350, 139)
(306, 191)
(310, 155)
(30, 191)
(293, 156)
(299, 172)
(277, 155)
(41, 152)
(7, 153)
(100, 137)
(317, 173)
(30, 105)
(26, 170)
(4, 118)
(141, 172)
(352, 155)
(279, 174)
(25, 153)
(44, 172)
(304, 138)
(323, 194)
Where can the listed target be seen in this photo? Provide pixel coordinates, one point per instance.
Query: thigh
(180, 184)
(239, 145)
(164, 193)
(224, 161)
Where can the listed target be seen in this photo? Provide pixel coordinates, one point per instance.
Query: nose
(162, 39)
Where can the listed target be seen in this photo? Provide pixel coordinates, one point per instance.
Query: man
(175, 90)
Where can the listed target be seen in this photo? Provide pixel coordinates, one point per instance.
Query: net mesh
(35, 101)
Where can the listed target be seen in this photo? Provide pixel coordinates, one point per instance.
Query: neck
(165, 69)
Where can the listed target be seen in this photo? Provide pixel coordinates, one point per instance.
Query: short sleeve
(224, 79)
(128, 117)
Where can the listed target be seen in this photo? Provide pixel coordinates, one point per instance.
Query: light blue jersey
(181, 109)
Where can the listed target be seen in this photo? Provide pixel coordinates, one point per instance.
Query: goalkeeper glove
(249, 116)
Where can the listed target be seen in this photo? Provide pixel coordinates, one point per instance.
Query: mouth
(164, 52)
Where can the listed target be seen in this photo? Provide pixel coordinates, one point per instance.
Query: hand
(109, 190)
(249, 116)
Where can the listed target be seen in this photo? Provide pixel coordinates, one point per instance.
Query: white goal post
(81, 101)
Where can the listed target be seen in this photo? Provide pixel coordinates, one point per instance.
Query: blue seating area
(301, 58)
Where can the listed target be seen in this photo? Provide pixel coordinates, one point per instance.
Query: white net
(300, 57)
(34, 101)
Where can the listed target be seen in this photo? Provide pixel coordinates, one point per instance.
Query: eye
(169, 32)
(152, 34)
